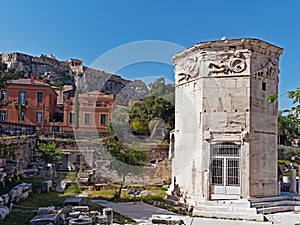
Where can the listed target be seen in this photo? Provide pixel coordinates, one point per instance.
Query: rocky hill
(72, 72)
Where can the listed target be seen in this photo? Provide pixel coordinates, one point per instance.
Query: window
(90, 103)
(71, 117)
(22, 116)
(106, 103)
(40, 97)
(22, 96)
(39, 117)
(4, 95)
(71, 94)
(98, 103)
(78, 158)
(87, 118)
(2, 116)
(264, 86)
(103, 119)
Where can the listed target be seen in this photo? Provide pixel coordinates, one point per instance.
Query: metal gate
(225, 167)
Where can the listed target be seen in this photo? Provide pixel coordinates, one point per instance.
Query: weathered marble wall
(20, 149)
(220, 97)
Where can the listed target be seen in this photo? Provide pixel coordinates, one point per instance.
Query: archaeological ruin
(225, 137)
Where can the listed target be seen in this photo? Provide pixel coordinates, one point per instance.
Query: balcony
(3, 103)
(22, 103)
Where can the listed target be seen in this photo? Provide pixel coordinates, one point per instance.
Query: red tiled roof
(27, 81)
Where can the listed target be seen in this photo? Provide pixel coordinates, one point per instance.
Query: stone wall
(12, 58)
(20, 150)
(158, 173)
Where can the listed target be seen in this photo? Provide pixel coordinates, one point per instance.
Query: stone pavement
(138, 211)
(141, 212)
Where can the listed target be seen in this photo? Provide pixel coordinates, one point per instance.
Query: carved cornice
(246, 43)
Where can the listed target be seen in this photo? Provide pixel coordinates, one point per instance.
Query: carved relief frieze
(188, 69)
(228, 63)
(266, 67)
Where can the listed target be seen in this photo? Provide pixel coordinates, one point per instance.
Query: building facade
(28, 101)
(225, 137)
(89, 113)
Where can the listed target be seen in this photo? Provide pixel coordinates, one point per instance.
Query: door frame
(221, 156)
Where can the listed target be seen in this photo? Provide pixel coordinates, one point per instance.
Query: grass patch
(151, 195)
(18, 180)
(18, 218)
(148, 192)
(72, 189)
(25, 210)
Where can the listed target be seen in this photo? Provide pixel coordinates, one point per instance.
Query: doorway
(226, 169)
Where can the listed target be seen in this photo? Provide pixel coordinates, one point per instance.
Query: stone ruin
(72, 215)
(225, 137)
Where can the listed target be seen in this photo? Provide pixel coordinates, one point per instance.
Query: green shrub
(72, 189)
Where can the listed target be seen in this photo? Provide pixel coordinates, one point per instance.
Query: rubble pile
(72, 214)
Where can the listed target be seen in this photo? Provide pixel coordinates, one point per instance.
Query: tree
(49, 152)
(288, 127)
(7, 74)
(288, 120)
(159, 88)
(154, 107)
(124, 160)
(137, 125)
(159, 104)
(295, 96)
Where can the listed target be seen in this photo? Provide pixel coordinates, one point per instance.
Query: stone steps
(252, 209)
(276, 203)
(275, 198)
(229, 215)
(225, 209)
(268, 205)
(275, 209)
(173, 200)
(228, 209)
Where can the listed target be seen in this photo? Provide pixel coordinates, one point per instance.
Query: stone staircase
(269, 205)
(228, 209)
(255, 209)
(251, 209)
(172, 198)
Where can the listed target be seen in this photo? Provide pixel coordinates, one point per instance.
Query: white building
(225, 128)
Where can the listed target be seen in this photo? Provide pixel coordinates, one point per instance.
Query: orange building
(93, 110)
(28, 101)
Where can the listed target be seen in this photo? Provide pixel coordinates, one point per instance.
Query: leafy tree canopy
(49, 152)
(159, 88)
(288, 120)
(7, 74)
(124, 160)
(159, 104)
(288, 128)
(295, 96)
(154, 107)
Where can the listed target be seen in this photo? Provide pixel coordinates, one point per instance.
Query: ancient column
(293, 181)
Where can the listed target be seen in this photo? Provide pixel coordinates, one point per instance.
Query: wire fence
(16, 129)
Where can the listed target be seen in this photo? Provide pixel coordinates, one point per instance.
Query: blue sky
(89, 29)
